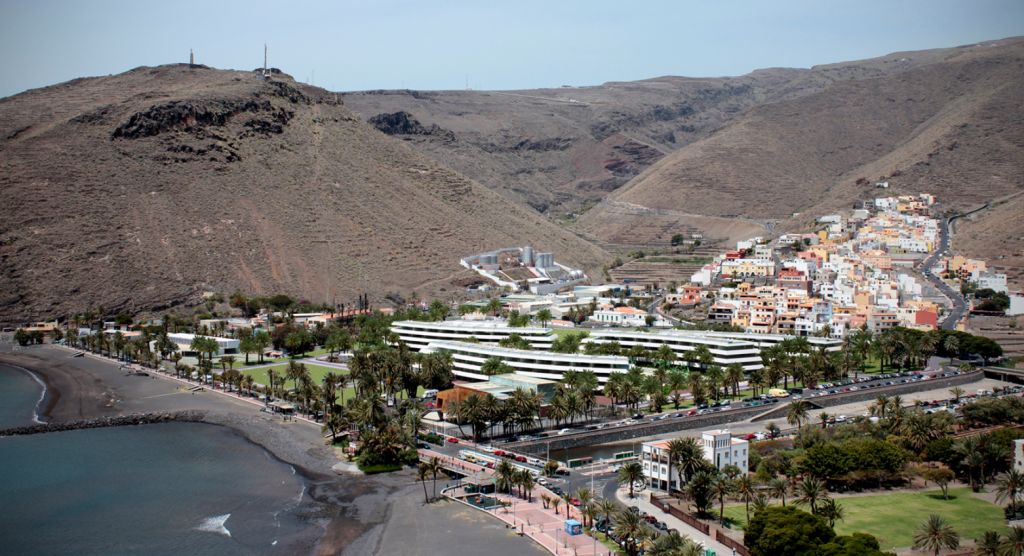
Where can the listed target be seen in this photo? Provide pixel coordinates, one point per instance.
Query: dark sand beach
(357, 514)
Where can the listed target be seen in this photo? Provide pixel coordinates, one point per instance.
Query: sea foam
(215, 524)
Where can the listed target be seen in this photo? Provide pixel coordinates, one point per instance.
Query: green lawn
(316, 372)
(254, 359)
(893, 518)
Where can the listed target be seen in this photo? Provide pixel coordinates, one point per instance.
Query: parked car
(453, 440)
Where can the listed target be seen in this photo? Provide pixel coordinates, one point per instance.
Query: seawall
(101, 422)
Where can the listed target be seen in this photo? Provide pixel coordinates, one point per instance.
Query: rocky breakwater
(100, 422)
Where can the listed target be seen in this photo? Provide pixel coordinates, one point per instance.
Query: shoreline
(353, 514)
(93, 388)
(47, 398)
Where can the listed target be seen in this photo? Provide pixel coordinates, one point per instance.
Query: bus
(579, 462)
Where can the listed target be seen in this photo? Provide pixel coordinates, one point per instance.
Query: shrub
(786, 531)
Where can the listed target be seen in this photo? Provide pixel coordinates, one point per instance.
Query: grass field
(254, 359)
(893, 518)
(316, 372)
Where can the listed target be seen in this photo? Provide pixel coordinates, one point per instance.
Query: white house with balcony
(719, 447)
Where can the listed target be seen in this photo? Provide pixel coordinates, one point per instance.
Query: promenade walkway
(188, 385)
(644, 503)
(541, 524)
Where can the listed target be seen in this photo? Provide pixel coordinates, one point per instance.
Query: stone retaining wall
(712, 420)
(646, 428)
(100, 422)
(872, 393)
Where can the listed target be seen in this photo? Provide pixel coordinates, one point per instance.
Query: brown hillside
(996, 235)
(952, 125)
(143, 189)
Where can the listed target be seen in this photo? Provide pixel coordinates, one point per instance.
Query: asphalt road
(959, 305)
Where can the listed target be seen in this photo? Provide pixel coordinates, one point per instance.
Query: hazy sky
(518, 44)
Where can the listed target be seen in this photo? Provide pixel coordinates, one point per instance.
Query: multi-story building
(419, 334)
(725, 351)
(468, 358)
(183, 344)
(719, 447)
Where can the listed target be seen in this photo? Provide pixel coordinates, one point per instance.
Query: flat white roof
(691, 335)
(497, 351)
(470, 325)
(182, 337)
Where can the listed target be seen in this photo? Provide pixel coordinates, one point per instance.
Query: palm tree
(951, 344)
(1009, 486)
(421, 475)
(970, 449)
(687, 455)
(585, 496)
(760, 502)
(504, 473)
(605, 508)
(673, 544)
(956, 391)
(630, 473)
(555, 503)
(988, 544)
(733, 375)
(629, 526)
(495, 366)
(935, 535)
(747, 489)
(823, 417)
(543, 317)
(831, 511)
(715, 377)
(721, 488)
(335, 423)
(777, 488)
(526, 482)
(861, 344)
(797, 413)
(1013, 544)
(809, 491)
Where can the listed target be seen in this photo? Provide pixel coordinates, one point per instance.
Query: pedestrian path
(645, 505)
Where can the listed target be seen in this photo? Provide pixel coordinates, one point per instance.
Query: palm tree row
(517, 413)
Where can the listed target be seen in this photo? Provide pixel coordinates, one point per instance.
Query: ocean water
(19, 395)
(170, 488)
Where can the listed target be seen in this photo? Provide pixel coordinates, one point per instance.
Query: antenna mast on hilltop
(191, 57)
(266, 74)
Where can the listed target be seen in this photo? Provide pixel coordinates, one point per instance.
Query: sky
(487, 44)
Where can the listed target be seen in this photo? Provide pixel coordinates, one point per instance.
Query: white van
(430, 393)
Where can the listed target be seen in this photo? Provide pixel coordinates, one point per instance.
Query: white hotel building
(467, 358)
(183, 344)
(725, 351)
(720, 449)
(419, 334)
